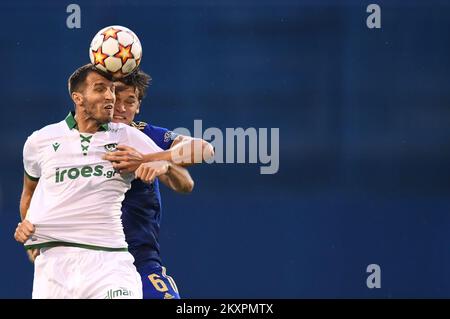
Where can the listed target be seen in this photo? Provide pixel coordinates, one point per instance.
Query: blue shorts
(156, 284)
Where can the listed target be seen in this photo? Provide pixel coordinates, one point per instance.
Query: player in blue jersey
(141, 208)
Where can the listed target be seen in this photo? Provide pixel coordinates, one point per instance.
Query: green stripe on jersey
(66, 244)
(31, 177)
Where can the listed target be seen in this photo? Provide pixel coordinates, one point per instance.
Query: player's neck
(87, 125)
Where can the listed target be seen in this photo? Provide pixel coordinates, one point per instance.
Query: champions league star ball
(116, 50)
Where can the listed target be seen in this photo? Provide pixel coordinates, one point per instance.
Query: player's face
(99, 98)
(127, 103)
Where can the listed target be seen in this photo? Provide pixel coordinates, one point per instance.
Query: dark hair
(140, 80)
(77, 79)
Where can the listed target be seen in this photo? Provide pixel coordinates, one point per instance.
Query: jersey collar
(72, 123)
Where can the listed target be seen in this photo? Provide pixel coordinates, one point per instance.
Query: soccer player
(71, 199)
(141, 209)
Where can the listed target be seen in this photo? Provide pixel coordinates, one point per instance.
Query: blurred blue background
(364, 119)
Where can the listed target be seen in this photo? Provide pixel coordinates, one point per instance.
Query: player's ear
(77, 98)
(138, 107)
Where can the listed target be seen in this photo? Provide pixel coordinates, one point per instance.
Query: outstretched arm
(127, 159)
(184, 151)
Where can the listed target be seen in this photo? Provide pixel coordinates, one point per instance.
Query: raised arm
(127, 159)
(184, 151)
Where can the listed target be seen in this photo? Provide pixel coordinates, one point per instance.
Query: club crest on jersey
(169, 136)
(111, 147)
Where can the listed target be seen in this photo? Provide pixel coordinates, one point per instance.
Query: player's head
(92, 91)
(130, 91)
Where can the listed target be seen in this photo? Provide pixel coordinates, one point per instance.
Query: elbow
(188, 187)
(208, 150)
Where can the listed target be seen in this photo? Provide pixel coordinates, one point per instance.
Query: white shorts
(79, 273)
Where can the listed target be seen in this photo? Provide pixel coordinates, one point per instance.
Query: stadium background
(364, 118)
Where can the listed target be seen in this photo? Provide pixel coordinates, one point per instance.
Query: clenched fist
(23, 231)
(147, 172)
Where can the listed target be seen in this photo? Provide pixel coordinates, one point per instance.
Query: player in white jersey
(72, 198)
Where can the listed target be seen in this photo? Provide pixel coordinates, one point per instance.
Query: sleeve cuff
(35, 179)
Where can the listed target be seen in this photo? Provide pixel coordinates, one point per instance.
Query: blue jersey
(141, 208)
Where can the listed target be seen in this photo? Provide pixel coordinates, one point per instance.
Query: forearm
(159, 156)
(178, 179)
(27, 193)
(25, 201)
(187, 152)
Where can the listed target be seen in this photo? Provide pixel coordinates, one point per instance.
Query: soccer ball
(116, 50)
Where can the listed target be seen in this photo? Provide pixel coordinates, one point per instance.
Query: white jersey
(79, 196)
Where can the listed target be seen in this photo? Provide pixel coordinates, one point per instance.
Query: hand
(125, 160)
(23, 231)
(147, 172)
(33, 253)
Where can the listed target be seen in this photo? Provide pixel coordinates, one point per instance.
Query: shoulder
(47, 131)
(123, 129)
(139, 125)
(152, 130)
(118, 127)
(146, 127)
